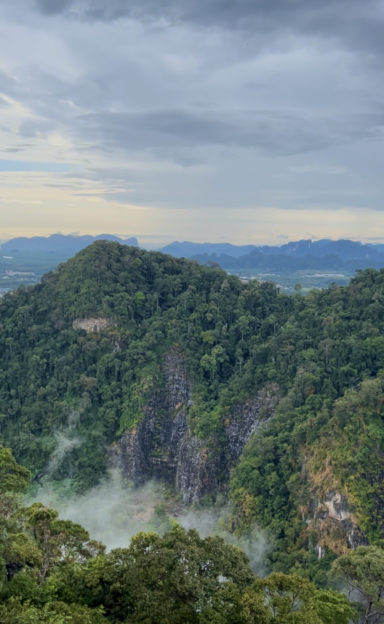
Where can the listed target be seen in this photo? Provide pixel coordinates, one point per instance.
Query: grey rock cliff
(163, 447)
(246, 418)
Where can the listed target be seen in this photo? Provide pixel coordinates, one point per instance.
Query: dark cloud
(351, 23)
(215, 102)
(313, 15)
(53, 7)
(210, 12)
(182, 135)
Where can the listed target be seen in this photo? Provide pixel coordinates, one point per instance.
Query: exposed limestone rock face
(91, 324)
(336, 506)
(162, 446)
(335, 525)
(196, 472)
(247, 417)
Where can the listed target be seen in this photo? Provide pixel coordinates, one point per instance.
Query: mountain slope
(59, 243)
(53, 372)
(170, 368)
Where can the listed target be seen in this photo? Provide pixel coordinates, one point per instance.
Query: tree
(363, 572)
(14, 480)
(54, 574)
(175, 578)
(291, 599)
(15, 547)
(60, 541)
(16, 612)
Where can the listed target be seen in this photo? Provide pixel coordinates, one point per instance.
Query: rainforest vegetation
(324, 351)
(52, 572)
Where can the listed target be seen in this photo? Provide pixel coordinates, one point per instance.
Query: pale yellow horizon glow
(33, 204)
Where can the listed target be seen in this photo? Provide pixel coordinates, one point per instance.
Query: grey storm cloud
(184, 136)
(174, 132)
(221, 102)
(313, 13)
(359, 22)
(349, 24)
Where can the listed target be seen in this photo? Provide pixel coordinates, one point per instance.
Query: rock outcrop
(163, 447)
(246, 418)
(92, 324)
(332, 519)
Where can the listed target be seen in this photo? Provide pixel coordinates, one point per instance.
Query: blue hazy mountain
(344, 249)
(60, 244)
(187, 249)
(323, 254)
(291, 256)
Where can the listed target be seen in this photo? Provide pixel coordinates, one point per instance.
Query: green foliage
(347, 440)
(90, 386)
(34, 542)
(14, 480)
(174, 577)
(62, 577)
(332, 342)
(57, 380)
(283, 599)
(15, 612)
(57, 540)
(352, 444)
(363, 572)
(182, 578)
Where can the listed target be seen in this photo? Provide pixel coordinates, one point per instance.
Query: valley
(286, 282)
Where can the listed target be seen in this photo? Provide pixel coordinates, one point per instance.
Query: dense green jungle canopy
(325, 351)
(51, 572)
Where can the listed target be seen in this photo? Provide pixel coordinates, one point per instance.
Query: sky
(249, 121)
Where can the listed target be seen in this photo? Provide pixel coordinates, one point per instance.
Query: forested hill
(83, 354)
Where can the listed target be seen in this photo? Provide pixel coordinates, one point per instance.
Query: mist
(114, 511)
(65, 444)
(254, 542)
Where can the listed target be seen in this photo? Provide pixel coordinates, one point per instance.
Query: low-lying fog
(114, 511)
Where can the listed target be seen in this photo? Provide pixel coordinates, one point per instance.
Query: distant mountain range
(299, 255)
(323, 254)
(59, 244)
(186, 249)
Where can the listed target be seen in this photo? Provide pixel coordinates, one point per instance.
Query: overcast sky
(243, 120)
